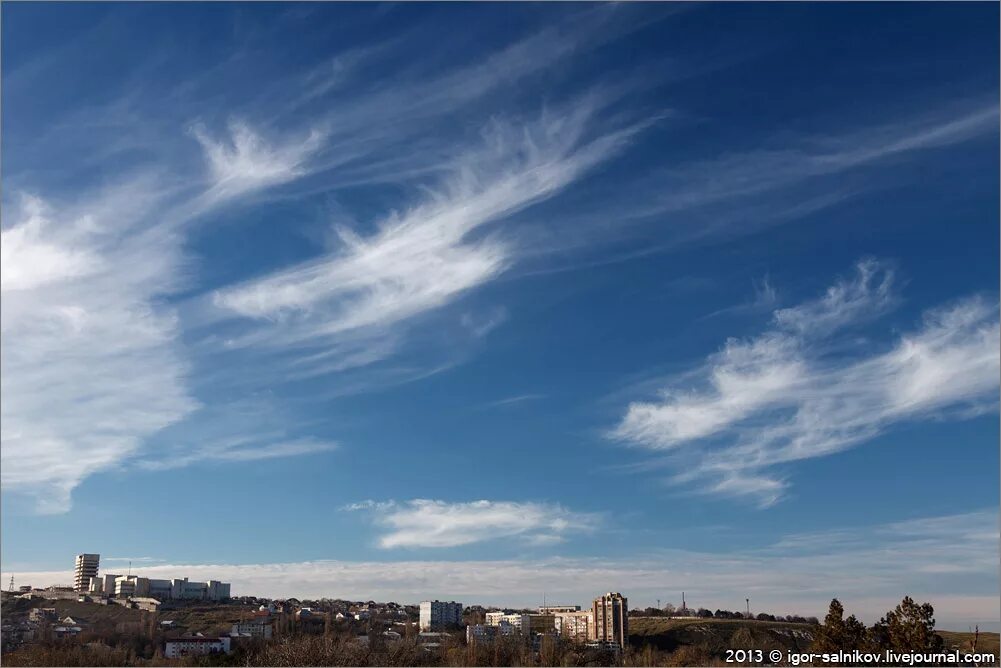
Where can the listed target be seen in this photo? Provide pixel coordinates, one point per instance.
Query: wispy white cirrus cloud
(92, 358)
(516, 399)
(792, 162)
(430, 523)
(429, 255)
(91, 364)
(245, 160)
(242, 449)
(744, 189)
(780, 397)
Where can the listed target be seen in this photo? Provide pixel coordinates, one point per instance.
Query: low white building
(195, 646)
(489, 632)
(254, 628)
(126, 586)
(145, 603)
(430, 640)
(522, 623)
(66, 631)
(437, 615)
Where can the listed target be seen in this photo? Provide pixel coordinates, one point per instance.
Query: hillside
(208, 618)
(962, 640)
(15, 610)
(713, 636)
(717, 635)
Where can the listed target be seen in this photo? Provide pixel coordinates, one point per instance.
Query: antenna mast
(11, 586)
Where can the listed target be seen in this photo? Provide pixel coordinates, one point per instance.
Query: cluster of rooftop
(87, 580)
(605, 623)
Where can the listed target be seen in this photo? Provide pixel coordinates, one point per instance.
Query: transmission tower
(10, 587)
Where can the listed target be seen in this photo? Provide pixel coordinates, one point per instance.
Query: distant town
(127, 619)
(605, 625)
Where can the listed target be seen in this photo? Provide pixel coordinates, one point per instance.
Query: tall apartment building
(86, 568)
(611, 619)
(436, 615)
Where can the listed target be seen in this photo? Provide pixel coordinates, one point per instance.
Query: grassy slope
(91, 613)
(206, 618)
(718, 634)
(987, 642)
(669, 634)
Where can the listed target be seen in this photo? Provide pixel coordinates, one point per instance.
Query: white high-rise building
(86, 568)
(611, 619)
(436, 615)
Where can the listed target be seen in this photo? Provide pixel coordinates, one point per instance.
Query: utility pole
(748, 602)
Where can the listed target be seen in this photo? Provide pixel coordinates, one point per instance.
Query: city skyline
(481, 303)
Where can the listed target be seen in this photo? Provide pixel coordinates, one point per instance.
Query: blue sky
(425, 300)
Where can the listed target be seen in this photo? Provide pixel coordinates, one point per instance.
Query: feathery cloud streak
(92, 353)
(429, 255)
(778, 398)
(245, 161)
(90, 363)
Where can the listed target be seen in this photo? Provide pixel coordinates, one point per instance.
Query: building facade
(556, 609)
(254, 628)
(108, 583)
(195, 646)
(146, 603)
(437, 615)
(521, 623)
(126, 586)
(611, 619)
(541, 623)
(575, 625)
(489, 632)
(86, 568)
